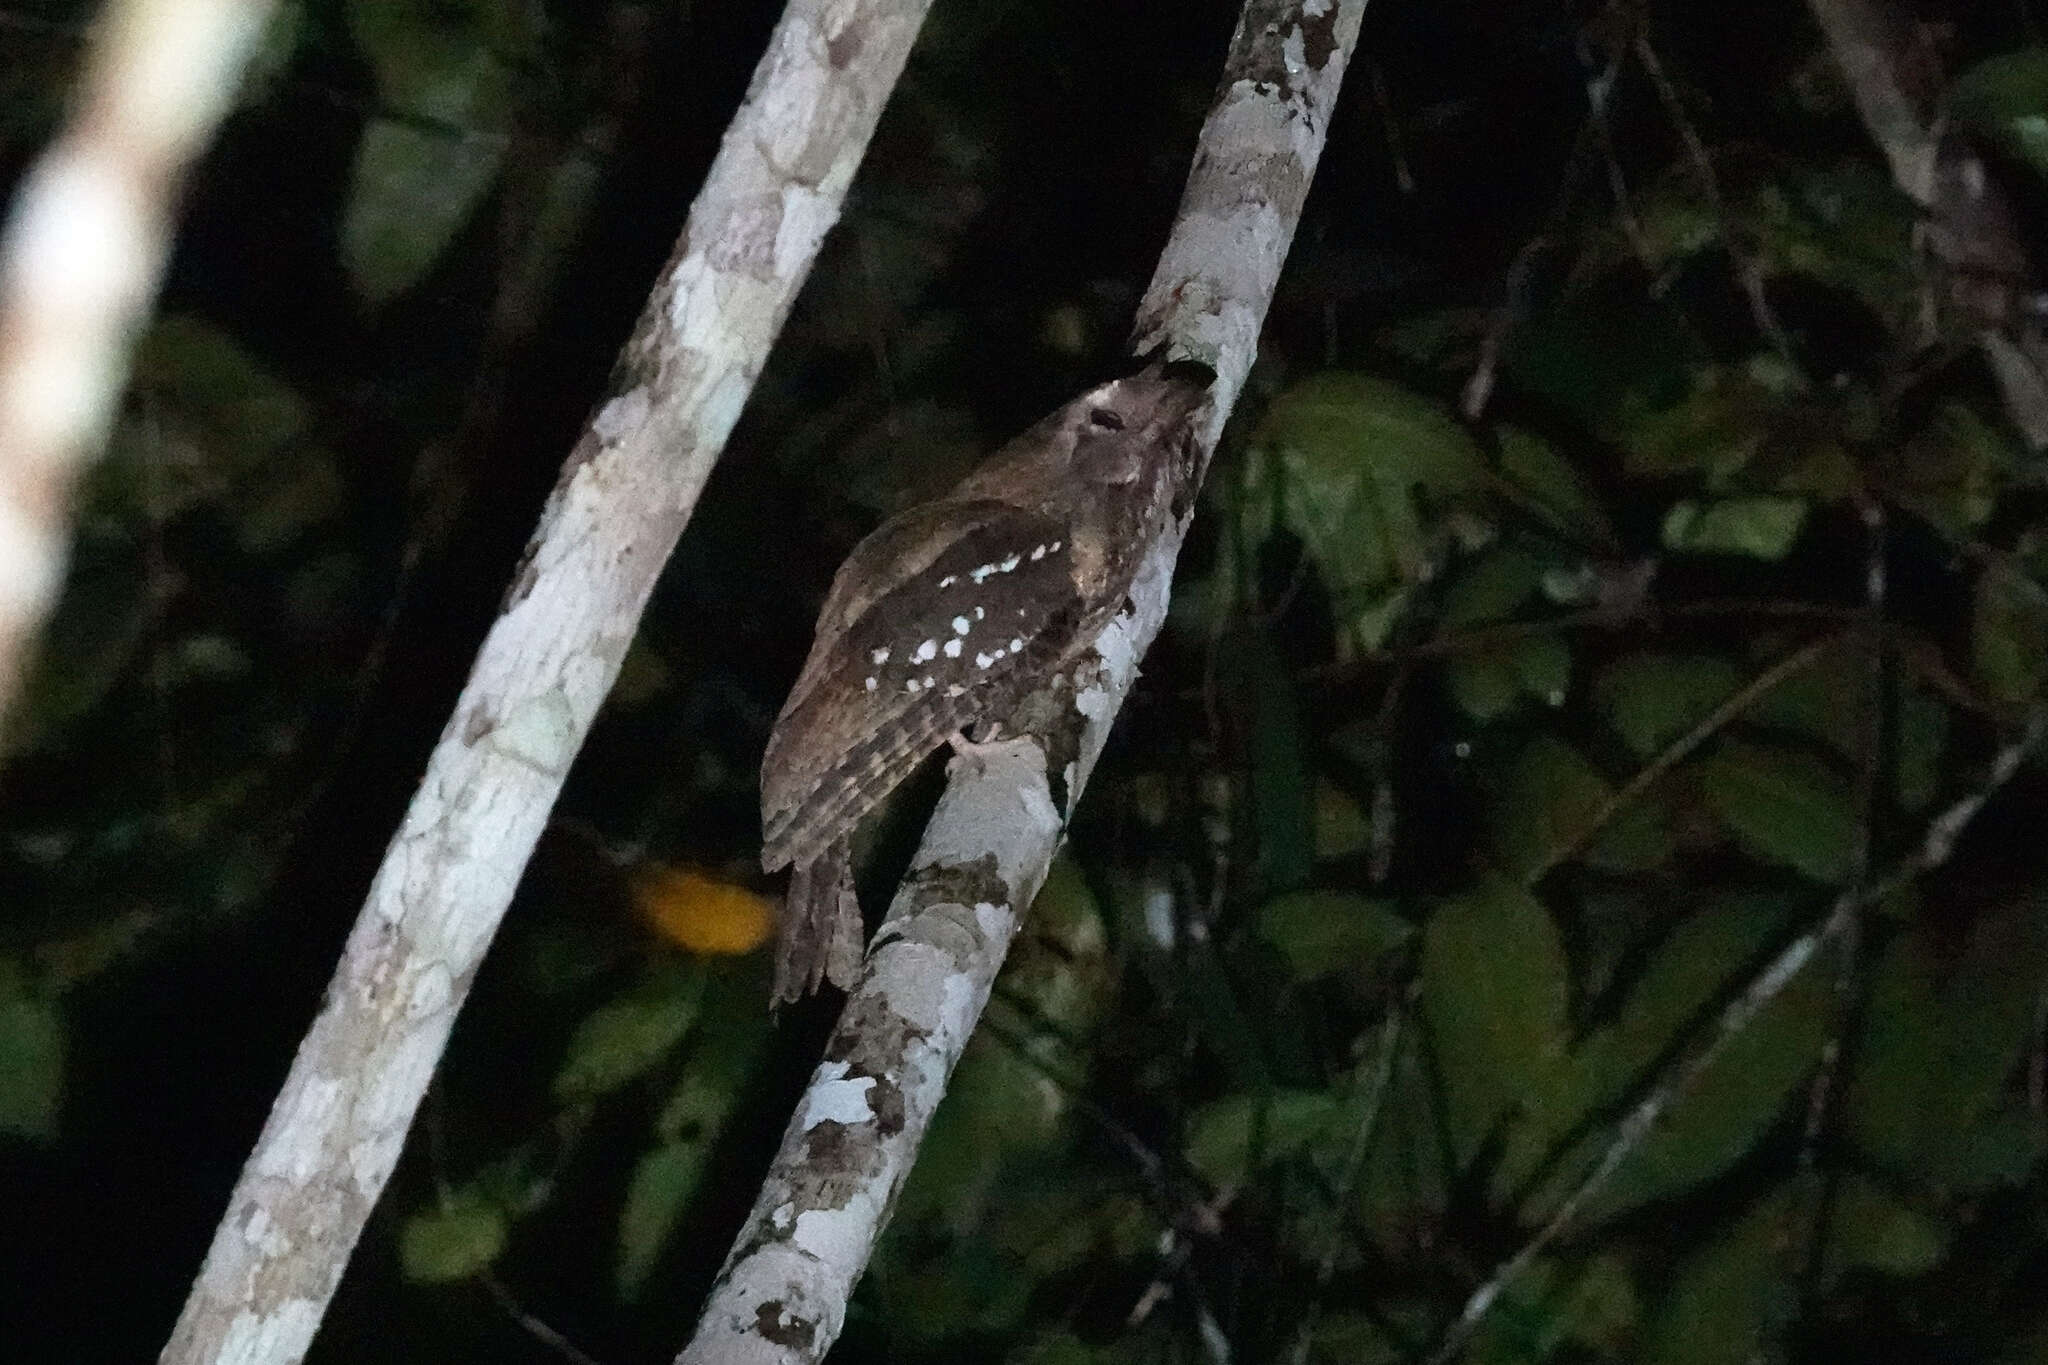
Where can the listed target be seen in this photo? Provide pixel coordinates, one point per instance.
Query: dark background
(274, 603)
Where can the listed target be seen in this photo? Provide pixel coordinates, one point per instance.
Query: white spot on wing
(912, 686)
(1012, 562)
(1054, 547)
(1037, 553)
(872, 684)
(961, 625)
(955, 690)
(949, 580)
(952, 649)
(880, 656)
(982, 661)
(924, 651)
(979, 613)
(1016, 646)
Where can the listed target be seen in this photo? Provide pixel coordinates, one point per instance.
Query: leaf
(1923, 727)
(1652, 699)
(1349, 417)
(1845, 225)
(1320, 932)
(1783, 806)
(1761, 528)
(621, 1040)
(1698, 959)
(1721, 1305)
(1060, 966)
(1549, 481)
(1718, 1307)
(218, 429)
(244, 415)
(1282, 787)
(270, 61)
(1952, 470)
(1720, 425)
(1228, 1139)
(2007, 97)
(453, 1242)
(974, 1290)
(1732, 1104)
(1543, 666)
(1058, 1218)
(1404, 1189)
(410, 191)
(420, 174)
(1943, 1032)
(103, 620)
(1870, 1228)
(1551, 798)
(1493, 994)
(2009, 635)
(1488, 683)
(1353, 466)
(663, 1181)
(1483, 684)
(700, 913)
(1997, 1151)
(32, 1058)
(1491, 586)
(1822, 698)
(1603, 1309)
(1342, 825)
(1351, 1339)
(691, 1122)
(1551, 1304)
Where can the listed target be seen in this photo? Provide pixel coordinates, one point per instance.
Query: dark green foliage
(1487, 759)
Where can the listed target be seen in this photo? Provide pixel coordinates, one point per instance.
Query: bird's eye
(1106, 420)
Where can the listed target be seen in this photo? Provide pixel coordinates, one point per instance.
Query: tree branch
(82, 253)
(781, 1295)
(1971, 232)
(625, 494)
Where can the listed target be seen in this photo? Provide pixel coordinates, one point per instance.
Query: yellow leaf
(700, 912)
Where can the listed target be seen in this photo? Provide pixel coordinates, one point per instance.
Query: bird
(945, 616)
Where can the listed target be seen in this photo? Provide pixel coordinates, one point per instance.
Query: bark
(625, 493)
(82, 253)
(781, 1296)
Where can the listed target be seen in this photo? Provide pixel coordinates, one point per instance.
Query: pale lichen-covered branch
(84, 246)
(781, 1296)
(624, 496)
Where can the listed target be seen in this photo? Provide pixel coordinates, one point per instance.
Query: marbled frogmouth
(945, 617)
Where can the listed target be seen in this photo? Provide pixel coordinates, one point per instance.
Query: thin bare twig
(532, 1324)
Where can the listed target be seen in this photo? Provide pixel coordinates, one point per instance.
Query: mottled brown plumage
(945, 616)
